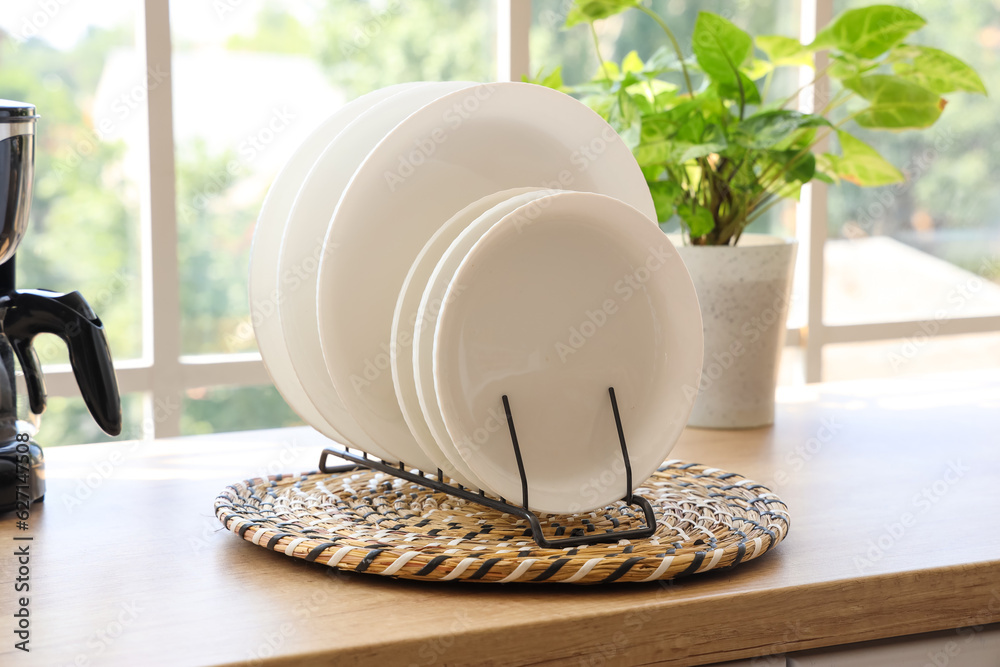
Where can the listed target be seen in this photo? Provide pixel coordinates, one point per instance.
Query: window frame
(162, 374)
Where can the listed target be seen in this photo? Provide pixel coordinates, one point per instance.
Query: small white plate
(421, 295)
(302, 248)
(555, 306)
(459, 148)
(263, 282)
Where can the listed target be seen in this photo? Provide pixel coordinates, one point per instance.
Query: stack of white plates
(433, 247)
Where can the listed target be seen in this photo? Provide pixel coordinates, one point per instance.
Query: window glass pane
(211, 409)
(67, 422)
(573, 50)
(915, 355)
(905, 252)
(82, 71)
(251, 80)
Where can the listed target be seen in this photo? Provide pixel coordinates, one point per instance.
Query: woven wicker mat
(366, 521)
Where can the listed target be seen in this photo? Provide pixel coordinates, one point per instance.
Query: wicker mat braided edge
(366, 521)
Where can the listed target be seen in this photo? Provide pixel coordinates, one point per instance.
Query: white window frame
(163, 374)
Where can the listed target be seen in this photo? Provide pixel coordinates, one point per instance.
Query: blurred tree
(85, 214)
(946, 207)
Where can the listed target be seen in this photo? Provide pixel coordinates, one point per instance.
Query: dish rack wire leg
(436, 481)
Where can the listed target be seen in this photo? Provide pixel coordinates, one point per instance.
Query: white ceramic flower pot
(744, 293)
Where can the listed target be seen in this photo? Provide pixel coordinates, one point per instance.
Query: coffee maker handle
(68, 316)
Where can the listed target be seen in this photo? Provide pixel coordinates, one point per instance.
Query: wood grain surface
(893, 489)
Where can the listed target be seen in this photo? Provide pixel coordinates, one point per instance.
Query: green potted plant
(718, 152)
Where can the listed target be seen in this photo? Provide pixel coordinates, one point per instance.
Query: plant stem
(758, 212)
(597, 51)
(794, 96)
(767, 86)
(814, 143)
(673, 41)
(835, 102)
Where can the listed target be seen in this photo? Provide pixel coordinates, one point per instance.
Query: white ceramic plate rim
(423, 333)
(263, 272)
(302, 247)
(402, 343)
(688, 369)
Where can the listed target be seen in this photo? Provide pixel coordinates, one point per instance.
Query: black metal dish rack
(436, 482)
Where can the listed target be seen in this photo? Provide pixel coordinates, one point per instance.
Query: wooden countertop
(893, 489)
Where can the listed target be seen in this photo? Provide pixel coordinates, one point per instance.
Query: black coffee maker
(26, 313)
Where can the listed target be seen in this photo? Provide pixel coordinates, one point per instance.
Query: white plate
(423, 293)
(302, 248)
(263, 283)
(554, 309)
(450, 153)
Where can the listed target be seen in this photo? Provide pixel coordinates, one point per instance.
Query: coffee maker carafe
(26, 313)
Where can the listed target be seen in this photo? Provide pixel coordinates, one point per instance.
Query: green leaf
(665, 136)
(631, 135)
(665, 195)
(652, 96)
(720, 47)
(936, 70)
(895, 103)
(600, 104)
(654, 139)
(868, 32)
(789, 190)
(767, 129)
(698, 219)
(652, 172)
(861, 164)
(632, 63)
(846, 66)
(784, 51)
(758, 69)
(607, 72)
(712, 140)
(731, 90)
(552, 80)
(802, 167)
(826, 169)
(588, 11)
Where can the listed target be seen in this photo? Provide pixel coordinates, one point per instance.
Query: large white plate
(263, 281)
(302, 248)
(453, 240)
(560, 300)
(452, 152)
